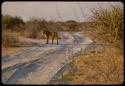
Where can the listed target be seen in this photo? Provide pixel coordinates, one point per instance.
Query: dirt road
(37, 65)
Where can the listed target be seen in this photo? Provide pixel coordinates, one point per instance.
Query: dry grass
(97, 68)
(106, 67)
(10, 39)
(11, 50)
(11, 43)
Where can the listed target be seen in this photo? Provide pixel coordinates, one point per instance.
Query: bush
(109, 21)
(9, 40)
(34, 28)
(9, 22)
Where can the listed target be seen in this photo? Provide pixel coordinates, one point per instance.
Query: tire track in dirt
(43, 67)
(18, 65)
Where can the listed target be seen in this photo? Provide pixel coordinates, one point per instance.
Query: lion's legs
(53, 37)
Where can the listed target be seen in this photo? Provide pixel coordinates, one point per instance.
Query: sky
(57, 11)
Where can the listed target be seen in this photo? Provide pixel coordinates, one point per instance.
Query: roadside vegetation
(110, 23)
(96, 66)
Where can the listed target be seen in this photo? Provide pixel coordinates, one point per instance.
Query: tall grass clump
(9, 40)
(109, 21)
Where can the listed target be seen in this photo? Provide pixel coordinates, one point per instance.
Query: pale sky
(47, 10)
